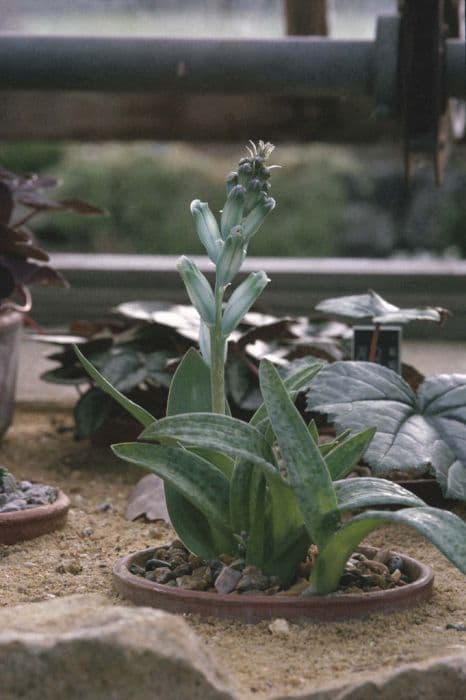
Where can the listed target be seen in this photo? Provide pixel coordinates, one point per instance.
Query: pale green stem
(217, 357)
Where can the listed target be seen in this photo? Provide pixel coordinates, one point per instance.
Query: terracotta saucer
(251, 609)
(33, 522)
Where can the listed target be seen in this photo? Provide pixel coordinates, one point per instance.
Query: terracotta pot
(10, 334)
(251, 609)
(33, 522)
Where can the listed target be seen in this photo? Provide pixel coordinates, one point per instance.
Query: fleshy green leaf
(444, 529)
(367, 492)
(190, 387)
(139, 413)
(207, 228)
(341, 459)
(198, 480)
(198, 288)
(297, 382)
(414, 433)
(91, 411)
(242, 299)
(372, 306)
(307, 472)
(215, 432)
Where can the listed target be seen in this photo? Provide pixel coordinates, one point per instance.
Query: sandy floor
(40, 447)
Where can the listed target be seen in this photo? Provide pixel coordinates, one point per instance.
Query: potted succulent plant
(259, 507)
(26, 510)
(22, 263)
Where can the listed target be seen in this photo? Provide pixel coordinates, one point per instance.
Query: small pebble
(227, 580)
(280, 627)
(395, 562)
(153, 563)
(103, 507)
(87, 532)
(456, 627)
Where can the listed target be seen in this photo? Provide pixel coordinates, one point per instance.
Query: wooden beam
(164, 117)
(306, 17)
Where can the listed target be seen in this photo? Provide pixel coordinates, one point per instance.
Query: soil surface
(263, 660)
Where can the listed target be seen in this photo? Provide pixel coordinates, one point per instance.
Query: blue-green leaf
(139, 413)
(214, 432)
(342, 458)
(307, 472)
(443, 529)
(415, 433)
(367, 492)
(198, 480)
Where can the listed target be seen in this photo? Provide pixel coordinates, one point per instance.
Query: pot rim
(253, 608)
(33, 522)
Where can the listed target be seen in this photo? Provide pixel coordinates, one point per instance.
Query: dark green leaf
(307, 472)
(414, 433)
(198, 480)
(366, 492)
(91, 411)
(373, 307)
(444, 529)
(139, 413)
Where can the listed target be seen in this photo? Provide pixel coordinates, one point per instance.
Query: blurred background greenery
(333, 201)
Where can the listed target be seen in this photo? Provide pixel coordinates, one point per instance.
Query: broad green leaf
(414, 433)
(313, 432)
(255, 549)
(342, 458)
(193, 528)
(244, 484)
(286, 558)
(91, 411)
(68, 374)
(367, 492)
(297, 382)
(307, 472)
(124, 370)
(189, 391)
(327, 447)
(214, 432)
(372, 306)
(219, 460)
(139, 413)
(190, 387)
(444, 529)
(198, 480)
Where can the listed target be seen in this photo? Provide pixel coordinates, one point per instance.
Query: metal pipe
(296, 66)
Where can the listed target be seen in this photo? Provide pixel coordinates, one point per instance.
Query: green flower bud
(231, 257)
(255, 218)
(207, 229)
(245, 172)
(242, 299)
(233, 210)
(198, 288)
(232, 181)
(254, 195)
(204, 342)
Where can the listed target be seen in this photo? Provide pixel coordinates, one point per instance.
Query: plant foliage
(417, 433)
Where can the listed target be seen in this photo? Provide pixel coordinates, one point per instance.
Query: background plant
(139, 349)
(418, 433)
(21, 260)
